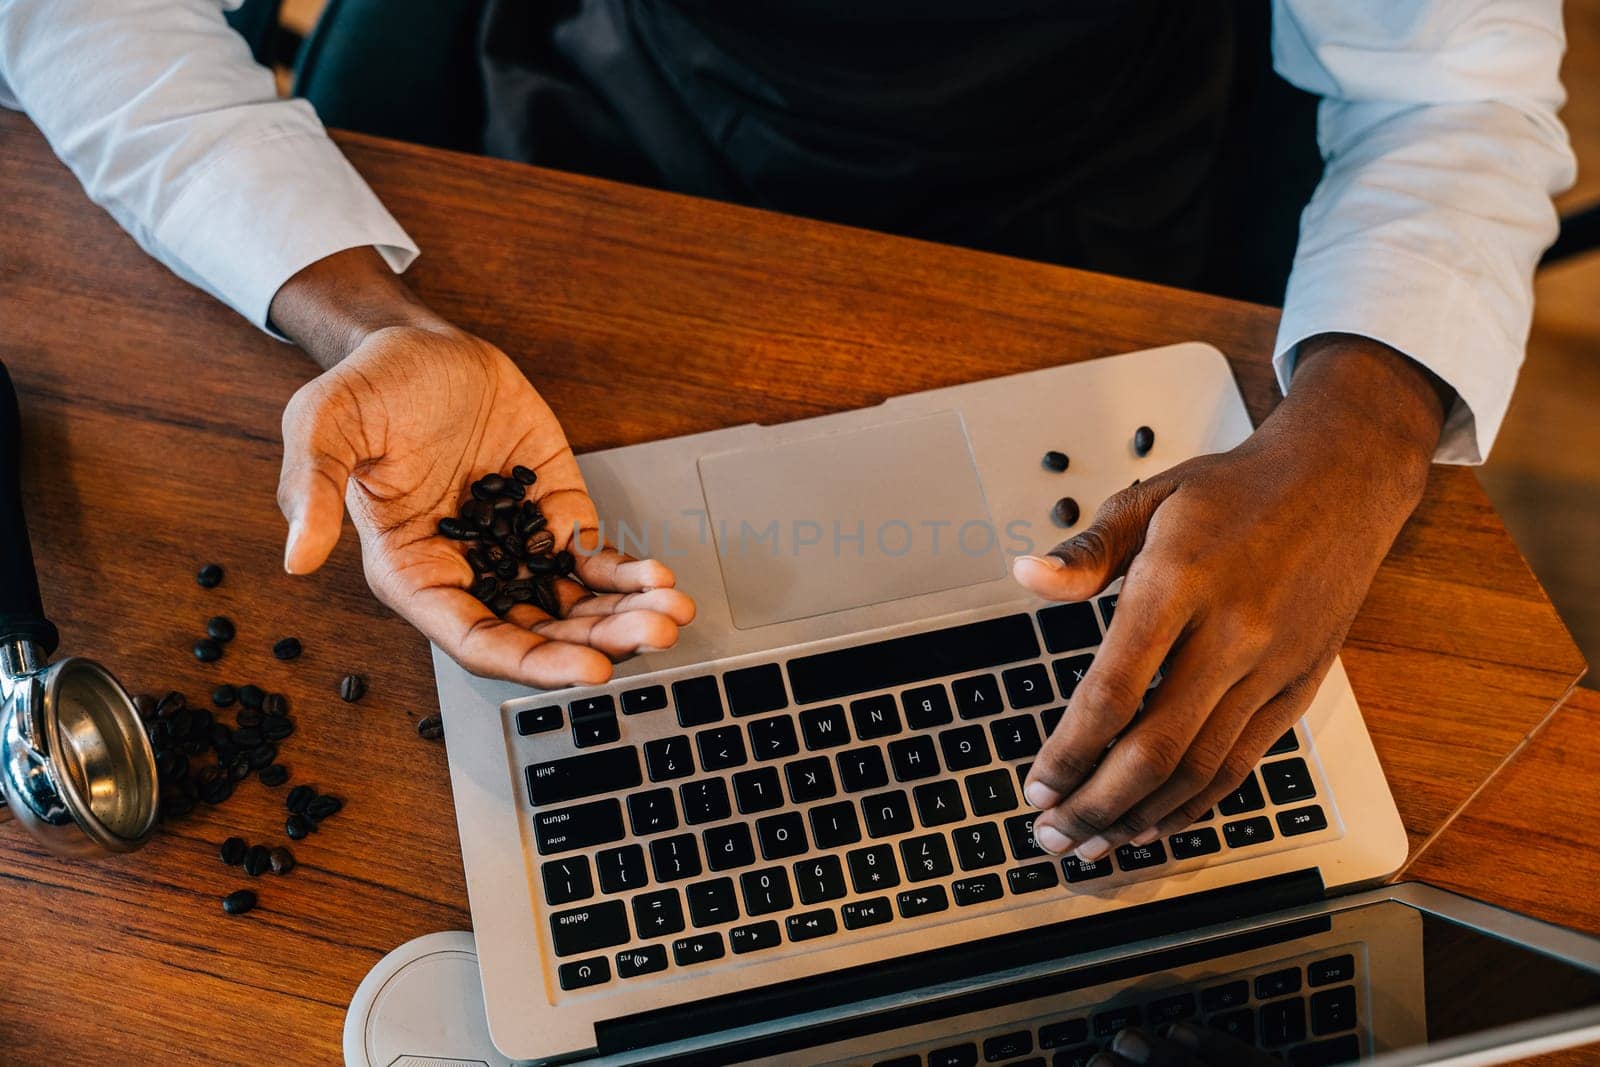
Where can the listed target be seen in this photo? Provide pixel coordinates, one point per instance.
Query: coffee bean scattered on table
(298, 798)
(323, 807)
(1144, 439)
(257, 859)
(233, 850)
(207, 651)
(282, 860)
(297, 826)
(170, 705)
(145, 705)
(224, 695)
(251, 696)
(1055, 461)
(274, 775)
(276, 727)
(238, 902)
(209, 576)
(430, 728)
(352, 687)
(287, 648)
(512, 555)
(1065, 512)
(220, 628)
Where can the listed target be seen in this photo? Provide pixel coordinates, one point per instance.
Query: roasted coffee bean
(170, 705)
(525, 475)
(209, 576)
(566, 561)
(1055, 461)
(430, 728)
(493, 555)
(175, 806)
(251, 696)
(506, 505)
(275, 704)
(544, 597)
(248, 717)
(1144, 439)
(323, 807)
(221, 736)
(196, 745)
(209, 773)
(456, 529)
(282, 860)
(548, 565)
(513, 491)
(276, 727)
(501, 604)
(233, 850)
(220, 628)
(178, 769)
(263, 755)
(506, 569)
(287, 648)
(238, 902)
(352, 687)
(181, 722)
(541, 543)
(298, 798)
(297, 826)
(1065, 512)
(166, 758)
(274, 775)
(477, 560)
(520, 591)
(256, 860)
(248, 736)
(145, 705)
(201, 721)
(217, 790)
(527, 524)
(500, 527)
(485, 588)
(239, 767)
(491, 484)
(479, 513)
(224, 696)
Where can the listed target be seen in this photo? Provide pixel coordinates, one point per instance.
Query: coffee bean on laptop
(430, 728)
(1055, 461)
(287, 648)
(1065, 512)
(238, 902)
(297, 826)
(170, 705)
(233, 850)
(323, 807)
(209, 576)
(275, 704)
(352, 687)
(274, 775)
(207, 651)
(251, 696)
(220, 628)
(1144, 439)
(525, 475)
(256, 860)
(298, 798)
(224, 695)
(282, 860)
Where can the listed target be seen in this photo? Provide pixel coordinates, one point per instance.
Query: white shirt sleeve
(171, 126)
(1442, 148)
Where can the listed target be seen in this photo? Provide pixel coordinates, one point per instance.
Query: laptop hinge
(1006, 952)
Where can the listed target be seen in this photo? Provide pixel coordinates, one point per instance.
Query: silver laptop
(810, 808)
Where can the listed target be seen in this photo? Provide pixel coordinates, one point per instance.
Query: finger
(1078, 568)
(1216, 1047)
(611, 571)
(499, 648)
(311, 483)
(615, 635)
(1100, 814)
(673, 603)
(1140, 1046)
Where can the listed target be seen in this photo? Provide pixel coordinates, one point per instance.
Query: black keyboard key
(589, 928)
(621, 869)
(964, 748)
(923, 901)
(1287, 743)
(698, 701)
(819, 879)
(939, 802)
(782, 835)
(1110, 1023)
(755, 690)
(812, 924)
(926, 707)
(585, 707)
(978, 846)
(810, 779)
(1108, 608)
(1019, 831)
(1077, 870)
(1333, 1010)
(1077, 1056)
(1225, 996)
(875, 717)
(580, 974)
(1027, 687)
(887, 814)
(977, 696)
(1032, 878)
(1016, 737)
(1245, 832)
(1288, 781)
(757, 790)
(1070, 673)
(658, 914)
(978, 890)
(1198, 841)
(906, 660)
(700, 948)
(1051, 717)
(647, 959)
(1335, 1050)
(862, 768)
(773, 738)
(925, 857)
(872, 869)
(638, 701)
(1282, 1022)
(1306, 820)
(652, 812)
(580, 826)
(729, 847)
(1007, 1046)
(594, 721)
(675, 858)
(913, 758)
(766, 891)
(1063, 1033)
(1329, 971)
(712, 903)
(1068, 627)
(834, 825)
(1246, 798)
(667, 758)
(863, 913)
(704, 801)
(1170, 1009)
(721, 748)
(755, 937)
(991, 793)
(825, 727)
(575, 777)
(1139, 857)
(567, 880)
(954, 1055)
(1278, 983)
(539, 720)
(1239, 1024)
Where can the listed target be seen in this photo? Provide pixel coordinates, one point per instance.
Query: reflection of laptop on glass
(802, 824)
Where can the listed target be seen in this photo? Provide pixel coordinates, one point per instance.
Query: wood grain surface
(151, 430)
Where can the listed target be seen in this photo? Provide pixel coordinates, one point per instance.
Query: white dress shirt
(1438, 128)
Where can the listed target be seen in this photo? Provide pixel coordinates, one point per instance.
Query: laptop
(798, 836)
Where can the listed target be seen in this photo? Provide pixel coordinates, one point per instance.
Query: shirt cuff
(1416, 307)
(256, 215)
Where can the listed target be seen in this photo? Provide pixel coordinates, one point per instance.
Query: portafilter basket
(75, 766)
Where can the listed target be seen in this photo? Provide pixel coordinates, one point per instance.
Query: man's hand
(1184, 1045)
(408, 413)
(1242, 573)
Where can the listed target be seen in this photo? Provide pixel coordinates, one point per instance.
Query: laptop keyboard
(776, 806)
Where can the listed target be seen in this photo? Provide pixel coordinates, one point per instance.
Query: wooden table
(151, 426)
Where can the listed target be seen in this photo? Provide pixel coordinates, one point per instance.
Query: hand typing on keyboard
(1184, 1045)
(1242, 573)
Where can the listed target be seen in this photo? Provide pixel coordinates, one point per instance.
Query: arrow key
(925, 901)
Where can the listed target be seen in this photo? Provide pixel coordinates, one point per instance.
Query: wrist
(330, 307)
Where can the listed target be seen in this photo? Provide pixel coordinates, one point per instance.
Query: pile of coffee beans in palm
(512, 554)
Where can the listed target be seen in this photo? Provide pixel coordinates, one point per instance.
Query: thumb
(1081, 566)
(312, 483)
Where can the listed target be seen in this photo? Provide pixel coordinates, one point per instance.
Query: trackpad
(849, 519)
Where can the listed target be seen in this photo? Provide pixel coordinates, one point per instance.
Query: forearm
(333, 305)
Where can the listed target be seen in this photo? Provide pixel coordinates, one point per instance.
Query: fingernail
(1146, 837)
(1053, 563)
(1040, 795)
(1050, 839)
(289, 543)
(1131, 1045)
(1184, 1034)
(1092, 849)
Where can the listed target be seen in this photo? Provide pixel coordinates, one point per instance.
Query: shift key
(579, 826)
(574, 777)
(588, 929)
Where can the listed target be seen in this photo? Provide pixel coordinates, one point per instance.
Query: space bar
(903, 660)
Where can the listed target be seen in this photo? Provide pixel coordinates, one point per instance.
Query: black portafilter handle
(21, 610)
